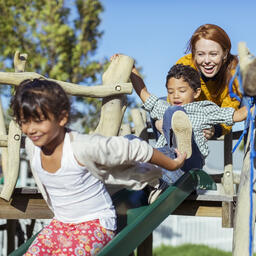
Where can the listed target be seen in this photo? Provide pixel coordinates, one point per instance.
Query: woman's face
(208, 57)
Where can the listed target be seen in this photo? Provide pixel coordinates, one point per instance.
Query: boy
(183, 87)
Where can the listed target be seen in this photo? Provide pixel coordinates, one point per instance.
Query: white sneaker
(157, 191)
(182, 130)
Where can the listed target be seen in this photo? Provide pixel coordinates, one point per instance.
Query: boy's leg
(173, 120)
(177, 123)
(196, 161)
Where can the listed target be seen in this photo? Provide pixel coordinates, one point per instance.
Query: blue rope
(230, 85)
(239, 140)
(249, 103)
(249, 120)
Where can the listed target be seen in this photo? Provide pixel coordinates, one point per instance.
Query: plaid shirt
(202, 115)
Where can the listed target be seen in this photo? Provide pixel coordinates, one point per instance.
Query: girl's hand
(180, 159)
(208, 133)
(159, 125)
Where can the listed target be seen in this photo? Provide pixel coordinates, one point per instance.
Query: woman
(210, 55)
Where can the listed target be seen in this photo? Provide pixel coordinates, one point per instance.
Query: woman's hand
(208, 133)
(159, 125)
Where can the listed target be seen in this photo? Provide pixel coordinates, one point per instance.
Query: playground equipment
(142, 219)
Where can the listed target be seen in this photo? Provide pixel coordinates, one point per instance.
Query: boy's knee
(170, 111)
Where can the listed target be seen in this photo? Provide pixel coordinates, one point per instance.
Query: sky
(156, 32)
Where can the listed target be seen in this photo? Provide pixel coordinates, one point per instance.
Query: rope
(230, 85)
(249, 120)
(249, 104)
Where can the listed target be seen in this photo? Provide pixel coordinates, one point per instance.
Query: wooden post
(139, 123)
(14, 140)
(125, 130)
(4, 152)
(242, 213)
(146, 247)
(247, 63)
(227, 182)
(113, 107)
(11, 229)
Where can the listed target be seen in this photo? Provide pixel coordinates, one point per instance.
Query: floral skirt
(59, 238)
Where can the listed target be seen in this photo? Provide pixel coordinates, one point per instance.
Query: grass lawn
(189, 250)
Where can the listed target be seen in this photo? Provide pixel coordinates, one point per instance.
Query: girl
(70, 170)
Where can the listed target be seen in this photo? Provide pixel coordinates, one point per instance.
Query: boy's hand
(159, 125)
(115, 55)
(180, 159)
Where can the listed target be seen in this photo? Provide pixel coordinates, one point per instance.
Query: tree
(59, 36)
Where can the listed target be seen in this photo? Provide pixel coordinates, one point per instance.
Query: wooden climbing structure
(194, 194)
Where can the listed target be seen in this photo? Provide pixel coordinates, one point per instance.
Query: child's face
(180, 93)
(43, 132)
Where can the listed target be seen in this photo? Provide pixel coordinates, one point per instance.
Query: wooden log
(4, 152)
(248, 68)
(19, 61)
(11, 227)
(244, 57)
(113, 107)
(125, 130)
(242, 213)
(140, 126)
(146, 247)
(14, 140)
(12, 157)
(227, 182)
(97, 91)
(144, 115)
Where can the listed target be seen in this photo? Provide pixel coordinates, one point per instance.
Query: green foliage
(189, 250)
(59, 36)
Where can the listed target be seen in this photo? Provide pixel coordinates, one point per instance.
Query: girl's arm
(166, 162)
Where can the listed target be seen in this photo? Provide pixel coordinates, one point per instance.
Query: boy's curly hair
(35, 97)
(187, 73)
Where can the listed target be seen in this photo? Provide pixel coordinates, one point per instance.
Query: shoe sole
(182, 129)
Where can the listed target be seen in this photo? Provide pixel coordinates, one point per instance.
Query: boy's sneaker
(157, 191)
(182, 130)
